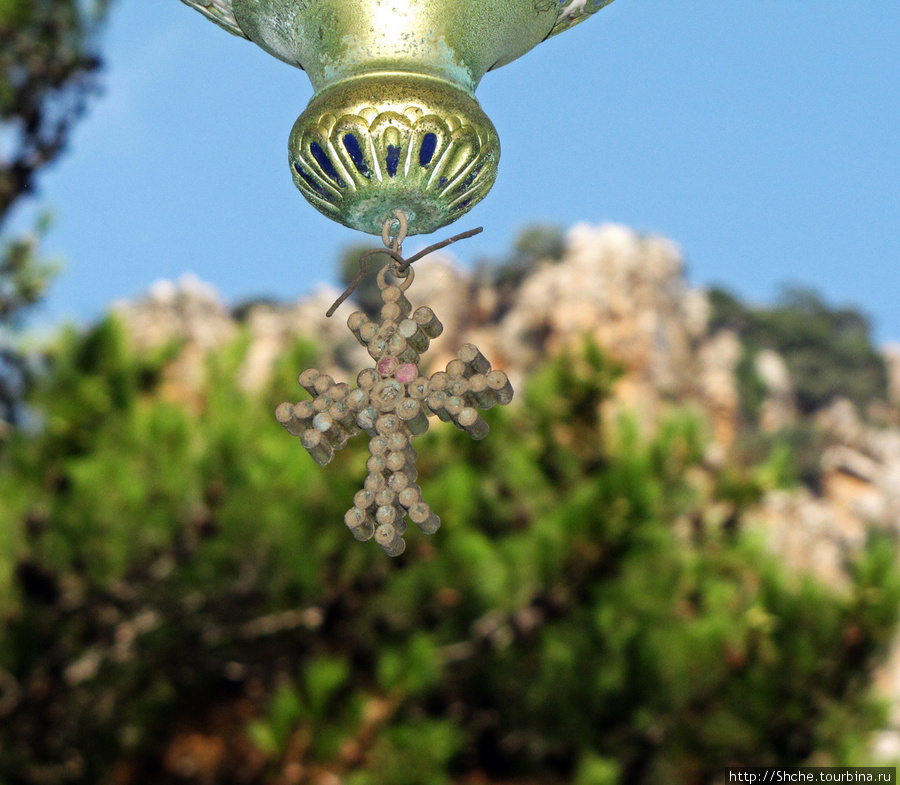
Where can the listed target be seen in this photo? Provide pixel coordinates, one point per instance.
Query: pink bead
(407, 373)
(387, 365)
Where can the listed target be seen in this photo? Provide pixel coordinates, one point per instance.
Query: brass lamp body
(394, 123)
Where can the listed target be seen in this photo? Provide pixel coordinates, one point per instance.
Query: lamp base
(372, 144)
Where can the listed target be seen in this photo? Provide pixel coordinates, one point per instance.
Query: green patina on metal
(394, 123)
(394, 140)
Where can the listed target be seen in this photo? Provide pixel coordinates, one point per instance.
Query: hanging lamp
(394, 143)
(394, 123)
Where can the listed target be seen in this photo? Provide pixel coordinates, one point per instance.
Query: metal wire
(393, 249)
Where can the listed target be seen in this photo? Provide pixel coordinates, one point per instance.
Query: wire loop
(405, 278)
(395, 243)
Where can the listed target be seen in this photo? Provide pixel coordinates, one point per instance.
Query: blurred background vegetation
(828, 351)
(178, 582)
(179, 601)
(49, 65)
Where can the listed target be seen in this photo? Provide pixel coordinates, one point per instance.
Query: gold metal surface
(391, 78)
(394, 141)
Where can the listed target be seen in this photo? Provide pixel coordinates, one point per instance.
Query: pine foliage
(579, 617)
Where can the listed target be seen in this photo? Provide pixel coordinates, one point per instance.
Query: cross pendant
(392, 403)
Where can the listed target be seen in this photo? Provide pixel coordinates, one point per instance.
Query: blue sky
(761, 136)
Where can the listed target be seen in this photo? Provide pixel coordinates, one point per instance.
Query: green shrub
(163, 561)
(828, 351)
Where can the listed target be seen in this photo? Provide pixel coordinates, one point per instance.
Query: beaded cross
(392, 403)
